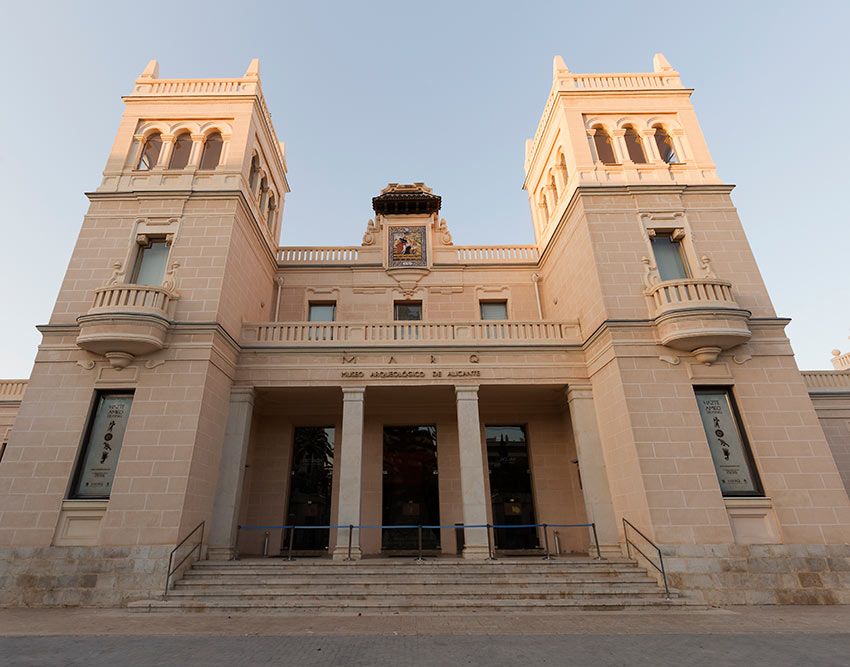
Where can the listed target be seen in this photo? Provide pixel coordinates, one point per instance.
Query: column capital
(353, 393)
(242, 394)
(466, 392)
(578, 392)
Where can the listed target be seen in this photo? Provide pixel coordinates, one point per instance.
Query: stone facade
(594, 355)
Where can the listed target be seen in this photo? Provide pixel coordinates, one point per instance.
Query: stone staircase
(403, 585)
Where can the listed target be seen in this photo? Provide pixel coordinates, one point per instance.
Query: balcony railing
(827, 380)
(132, 299)
(12, 390)
(841, 362)
(497, 254)
(411, 333)
(691, 293)
(316, 255)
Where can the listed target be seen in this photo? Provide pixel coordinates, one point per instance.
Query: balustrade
(407, 333)
(692, 292)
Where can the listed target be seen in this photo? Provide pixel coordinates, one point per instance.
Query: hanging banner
(728, 448)
(100, 456)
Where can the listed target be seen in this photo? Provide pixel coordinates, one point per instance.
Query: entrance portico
(500, 454)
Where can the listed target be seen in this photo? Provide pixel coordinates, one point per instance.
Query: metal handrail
(198, 546)
(628, 524)
(419, 527)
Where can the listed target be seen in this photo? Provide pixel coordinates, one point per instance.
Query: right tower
(708, 435)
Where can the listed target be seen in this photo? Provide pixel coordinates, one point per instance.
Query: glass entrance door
(310, 486)
(510, 487)
(410, 488)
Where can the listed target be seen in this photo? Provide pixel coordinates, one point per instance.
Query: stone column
(350, 471)
(234, 452)
(621, 151)
(650, 148)
(591, 463)
(165, 152)
(472, 472)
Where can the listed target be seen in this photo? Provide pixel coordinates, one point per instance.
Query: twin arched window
(181, 152)
(212, 151)
(634, 146)
(604, 145)
(150, 152)
(665, 145)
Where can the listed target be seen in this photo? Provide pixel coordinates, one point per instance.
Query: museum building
(198, 380)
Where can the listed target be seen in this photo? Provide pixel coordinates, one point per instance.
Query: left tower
(115, 451)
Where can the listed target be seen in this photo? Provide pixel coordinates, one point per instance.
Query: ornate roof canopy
(406, 199)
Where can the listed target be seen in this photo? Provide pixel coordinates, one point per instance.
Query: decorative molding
(448, 289)
(154, 363)
(742, 358)
(86, 364)
(670, 359)
(714, 372)
(369, 290)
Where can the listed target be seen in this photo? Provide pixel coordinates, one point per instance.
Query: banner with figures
(103, 446)
(728, 448)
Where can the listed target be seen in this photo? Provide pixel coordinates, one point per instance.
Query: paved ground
(752, 636)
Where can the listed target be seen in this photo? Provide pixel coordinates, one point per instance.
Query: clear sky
(444, 92)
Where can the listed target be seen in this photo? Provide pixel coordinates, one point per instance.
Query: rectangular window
(494, 310)
(407, 310)
(669, 257)
(150, 263)
(511, 494)
(322, 312)
(102, 445)
(727, 442)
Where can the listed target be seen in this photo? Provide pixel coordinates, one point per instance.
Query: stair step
(470, 580)
(379, 592)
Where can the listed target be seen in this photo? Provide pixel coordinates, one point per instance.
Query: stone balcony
(126, 321)
(407, 334)
(698, 315)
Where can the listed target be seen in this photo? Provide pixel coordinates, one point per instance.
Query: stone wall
(729, 574)
(81, 576)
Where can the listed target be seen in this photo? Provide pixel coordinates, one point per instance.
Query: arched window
(562, 166)
(181, 152)
(150, 152)
(263, 194)
(544, 208)
(634, 146)
(212, 151)
(604, 146)
(665, 145)
(254, 173)
(553, 187)
(271, 212)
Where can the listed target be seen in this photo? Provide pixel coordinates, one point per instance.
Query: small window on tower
(150, 152)
(182, 150)
(212, 151)
(604, 146)
(669, 257)
(150, 262)
(494, 310)
(254, 173)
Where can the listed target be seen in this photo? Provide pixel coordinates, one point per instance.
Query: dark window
(510, 486)
(604, 147)
(407, 310)
(102, 445)
(634, 146)
(212, 151)
(255, 172)
(181, 152)
(727, 442)
(150, 152)
(322, 312)
(150, 263)
(665, 145)
(311, 482)
(494, 310)
(669, 257)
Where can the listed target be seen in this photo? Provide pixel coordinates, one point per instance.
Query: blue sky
(447, 92)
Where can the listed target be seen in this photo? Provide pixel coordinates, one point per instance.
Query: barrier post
(291, 538)
(350, 533)
(419, 558)
(596, 541)
(546, 555)
(236, 544)
(490, 546)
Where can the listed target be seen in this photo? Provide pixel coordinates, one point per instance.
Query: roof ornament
(660, 64)
(151, 70)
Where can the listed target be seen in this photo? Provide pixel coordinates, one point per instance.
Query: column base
(341, 553)
(222, 553)
(608, 551)
(476, 552)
